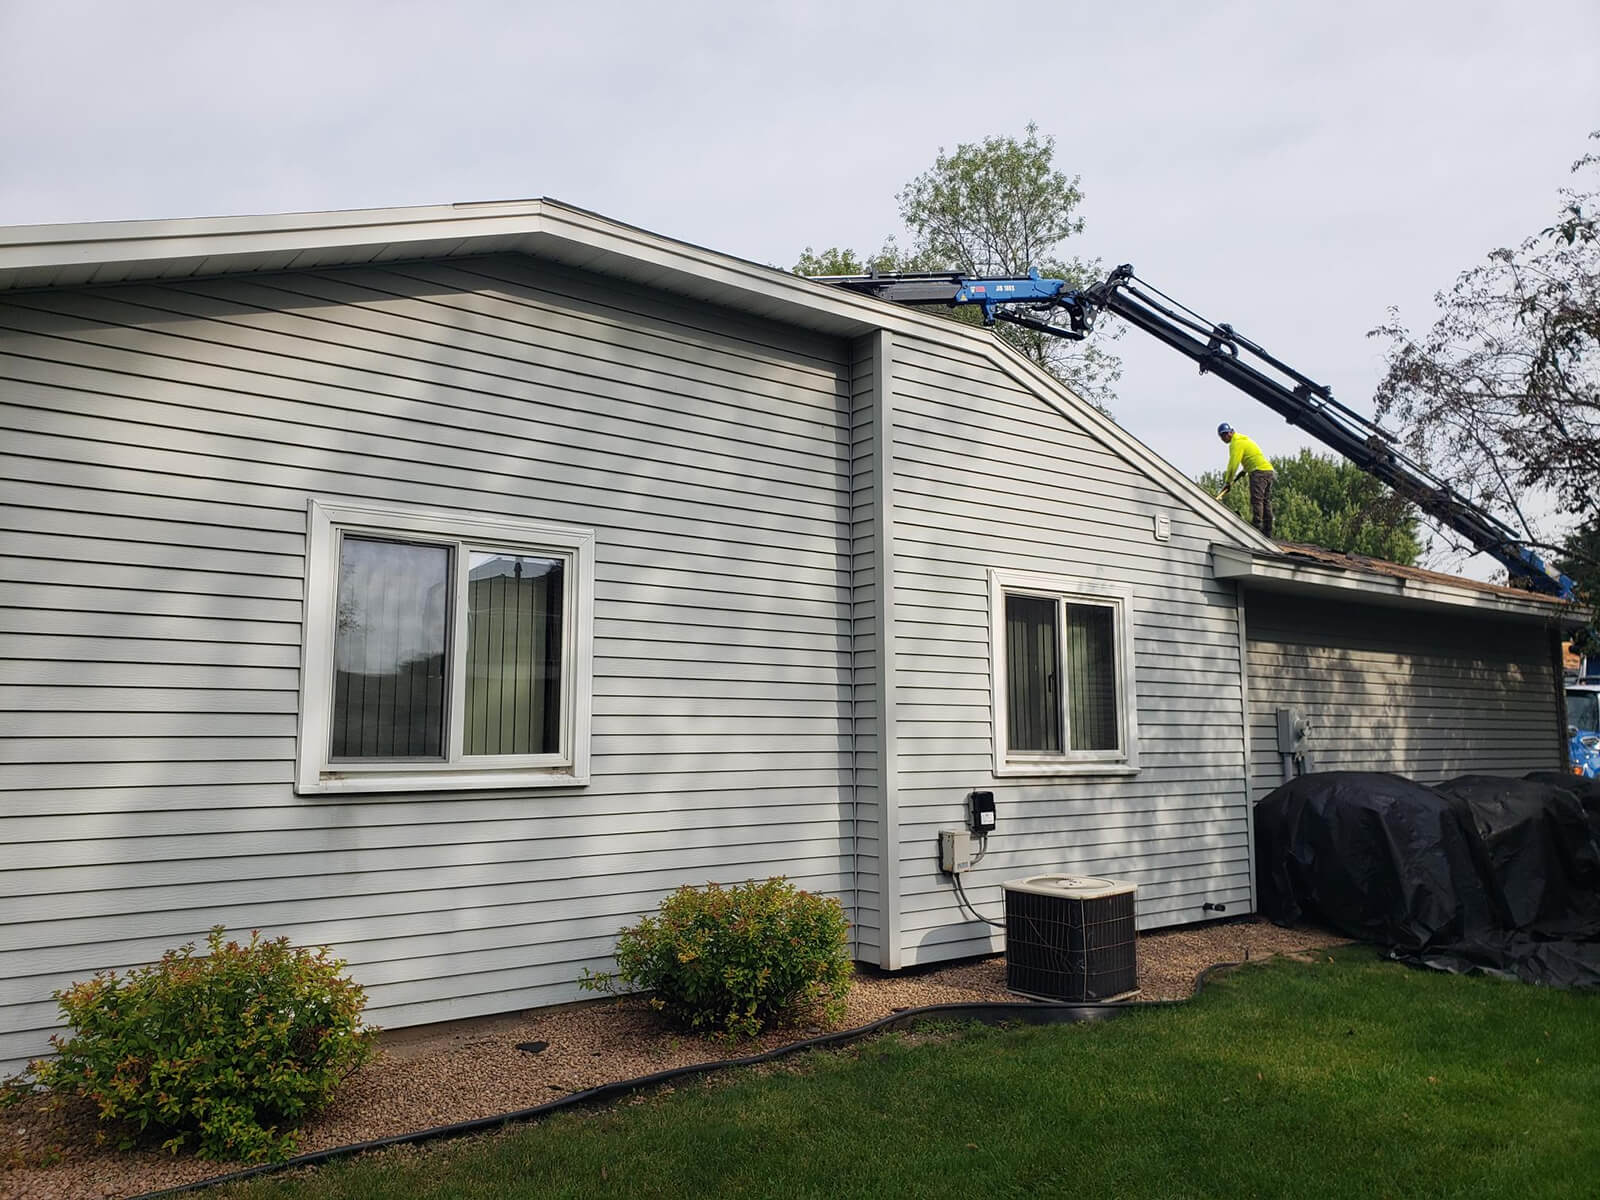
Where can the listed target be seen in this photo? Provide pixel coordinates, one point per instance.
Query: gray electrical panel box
(1294, 742)
(955, 851)
(1294, 731)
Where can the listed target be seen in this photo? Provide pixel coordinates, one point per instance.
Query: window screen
(513, 655)
(1091, 677)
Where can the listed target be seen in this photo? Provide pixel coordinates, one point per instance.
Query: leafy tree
(995, 207)
(1323, 500)
(837, 260)
(1580, 561)
(1502, 396)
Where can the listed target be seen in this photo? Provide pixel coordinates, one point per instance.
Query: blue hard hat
(1224, 428)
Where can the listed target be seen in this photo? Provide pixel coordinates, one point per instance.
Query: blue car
(1583, 728)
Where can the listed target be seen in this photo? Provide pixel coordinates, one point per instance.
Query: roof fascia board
(118, 242)
(1278, 574)
(165, 228)
(745, 279)
(780, 293)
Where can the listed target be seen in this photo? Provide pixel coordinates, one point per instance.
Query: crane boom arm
(1052, 306)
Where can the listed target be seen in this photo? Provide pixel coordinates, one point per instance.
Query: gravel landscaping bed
(439, 1075)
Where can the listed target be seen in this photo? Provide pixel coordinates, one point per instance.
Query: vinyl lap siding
(160, 443)
(988, 476)
(1427, 696)
(868, 798)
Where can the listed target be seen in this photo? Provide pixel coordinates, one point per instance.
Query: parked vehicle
(1580, 668)
(1583, 728)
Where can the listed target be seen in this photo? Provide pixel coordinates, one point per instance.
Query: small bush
(228, 1051)
(732, 960)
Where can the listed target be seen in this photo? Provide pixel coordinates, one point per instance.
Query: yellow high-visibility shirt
(1242, 450)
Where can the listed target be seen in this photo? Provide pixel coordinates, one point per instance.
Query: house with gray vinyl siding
(448, 584)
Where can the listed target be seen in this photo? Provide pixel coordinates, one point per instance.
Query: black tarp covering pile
(1478, 873)
(1586, 790)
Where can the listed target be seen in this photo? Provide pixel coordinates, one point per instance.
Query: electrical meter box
(980, 812)
(1294, 731)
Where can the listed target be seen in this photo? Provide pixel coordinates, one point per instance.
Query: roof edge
(1279, 572)
(165, 229)
(128, 244)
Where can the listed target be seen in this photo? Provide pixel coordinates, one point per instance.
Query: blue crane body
(1054, 307)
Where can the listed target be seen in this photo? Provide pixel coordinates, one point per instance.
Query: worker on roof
(1244, 455)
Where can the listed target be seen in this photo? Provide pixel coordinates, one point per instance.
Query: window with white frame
(444, 651)
(1062, 653)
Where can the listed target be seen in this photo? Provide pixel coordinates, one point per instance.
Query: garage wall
(1421, 694)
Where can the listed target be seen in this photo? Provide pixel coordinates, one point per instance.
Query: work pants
(1261, 501)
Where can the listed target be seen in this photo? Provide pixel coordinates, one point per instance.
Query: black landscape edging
(994, 1012)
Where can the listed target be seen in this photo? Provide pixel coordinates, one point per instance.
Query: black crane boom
(1052, 306)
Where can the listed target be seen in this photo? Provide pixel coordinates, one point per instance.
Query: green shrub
(228, 1051)
(732, 960)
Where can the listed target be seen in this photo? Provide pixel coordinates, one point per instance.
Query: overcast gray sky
(1291, 168)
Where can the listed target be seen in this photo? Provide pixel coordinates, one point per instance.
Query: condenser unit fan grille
(1061, 947)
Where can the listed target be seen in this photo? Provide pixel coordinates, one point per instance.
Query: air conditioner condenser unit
(1070, 937)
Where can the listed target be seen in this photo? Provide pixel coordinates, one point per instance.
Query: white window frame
(327, 523)
(1064, 590)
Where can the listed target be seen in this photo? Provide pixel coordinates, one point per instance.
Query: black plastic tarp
(1586, 790)
(1479, 873)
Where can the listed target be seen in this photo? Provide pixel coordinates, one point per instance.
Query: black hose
(989, 1012)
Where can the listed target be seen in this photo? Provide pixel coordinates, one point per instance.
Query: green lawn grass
(1344, 1077)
